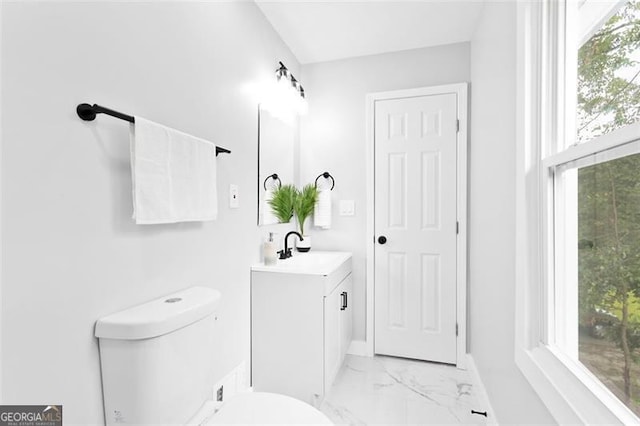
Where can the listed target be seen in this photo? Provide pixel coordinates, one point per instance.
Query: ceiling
(325, 30)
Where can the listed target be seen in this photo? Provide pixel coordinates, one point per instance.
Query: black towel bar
(88, 113)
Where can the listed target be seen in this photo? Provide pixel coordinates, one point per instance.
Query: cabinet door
(346, 316)
(332, 336)
(287, 334)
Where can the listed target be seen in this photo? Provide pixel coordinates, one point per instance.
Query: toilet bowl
(252, 408)
(157, 369)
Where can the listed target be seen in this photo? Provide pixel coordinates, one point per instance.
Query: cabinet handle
(344, 300)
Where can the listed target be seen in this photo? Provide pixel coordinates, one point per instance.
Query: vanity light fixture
(291, 89)
(283, 97)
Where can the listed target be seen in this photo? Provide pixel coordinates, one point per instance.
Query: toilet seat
(252, 408)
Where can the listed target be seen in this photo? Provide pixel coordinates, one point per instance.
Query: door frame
(461, 90)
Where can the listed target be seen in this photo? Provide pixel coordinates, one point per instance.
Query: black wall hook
(88, 112)
(326, 175)
(274, 177)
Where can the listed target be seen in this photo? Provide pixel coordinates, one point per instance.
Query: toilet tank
(156, 358)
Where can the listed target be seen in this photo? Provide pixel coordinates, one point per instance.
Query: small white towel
(268, 218)
(173, 174)
(322, 210)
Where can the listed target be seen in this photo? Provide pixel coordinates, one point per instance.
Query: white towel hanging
(322, 210)
(268, 218)
(173, 174)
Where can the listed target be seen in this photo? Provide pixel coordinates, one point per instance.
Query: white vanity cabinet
(301, 320)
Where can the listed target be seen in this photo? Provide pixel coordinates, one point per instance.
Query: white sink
(313, 263)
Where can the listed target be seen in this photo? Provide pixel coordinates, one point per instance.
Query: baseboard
(358, 347)
(481, 392)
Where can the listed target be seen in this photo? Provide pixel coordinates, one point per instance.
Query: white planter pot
(304, 245)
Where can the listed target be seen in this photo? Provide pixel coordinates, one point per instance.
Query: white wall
(70, 252)
(492, 217)
(333, 134)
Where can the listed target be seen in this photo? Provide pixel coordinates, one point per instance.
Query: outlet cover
(219, 393)
(231, 384)
(347, 208)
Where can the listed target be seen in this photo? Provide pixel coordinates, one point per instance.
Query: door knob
(382, 239)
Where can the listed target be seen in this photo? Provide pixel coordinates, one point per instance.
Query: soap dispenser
(269, 251)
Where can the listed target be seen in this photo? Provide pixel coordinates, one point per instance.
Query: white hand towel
(173, 173)
(322, 210)
(268, 218)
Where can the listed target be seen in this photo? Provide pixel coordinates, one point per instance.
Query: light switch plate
(347, 208)
(234, 200)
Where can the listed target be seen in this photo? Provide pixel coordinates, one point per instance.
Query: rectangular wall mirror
(276, 140)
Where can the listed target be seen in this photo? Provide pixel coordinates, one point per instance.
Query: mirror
(275, 155)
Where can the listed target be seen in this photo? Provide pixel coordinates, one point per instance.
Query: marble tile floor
(395, 391)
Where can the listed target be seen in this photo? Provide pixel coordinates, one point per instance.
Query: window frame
(569, 390)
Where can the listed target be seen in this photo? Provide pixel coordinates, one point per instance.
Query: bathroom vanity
(301, 320)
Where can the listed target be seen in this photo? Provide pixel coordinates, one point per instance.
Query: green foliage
(608, 76)
(283, 202)
(288, 200)
(609, 223)
(305, 201)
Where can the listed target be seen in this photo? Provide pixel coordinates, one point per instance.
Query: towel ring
(326, 175)
(274, 177)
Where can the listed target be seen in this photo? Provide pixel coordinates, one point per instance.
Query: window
(608, 83)
(578, 208)
(609, 274)
(597, 245)
(594, 220)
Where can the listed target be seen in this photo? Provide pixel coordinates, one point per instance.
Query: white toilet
(157, 369)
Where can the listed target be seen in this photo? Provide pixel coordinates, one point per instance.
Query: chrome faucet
(286, 253)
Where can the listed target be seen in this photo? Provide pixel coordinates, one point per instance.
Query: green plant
(282, 202)
(304, 204)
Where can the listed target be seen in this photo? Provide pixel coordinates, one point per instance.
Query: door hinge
(456, 329)
(457, 228)
(457, 125)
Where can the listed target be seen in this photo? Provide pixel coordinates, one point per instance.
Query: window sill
(570, 391)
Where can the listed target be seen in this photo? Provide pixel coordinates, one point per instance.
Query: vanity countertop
(311, 263)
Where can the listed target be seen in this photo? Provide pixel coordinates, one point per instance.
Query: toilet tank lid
(160, 316)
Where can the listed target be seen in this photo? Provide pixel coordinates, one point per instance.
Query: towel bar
(88, 112)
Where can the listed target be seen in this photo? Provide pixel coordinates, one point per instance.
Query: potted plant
(304, 204)
(282, 202)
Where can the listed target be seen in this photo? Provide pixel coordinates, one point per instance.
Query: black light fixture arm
(88, 112)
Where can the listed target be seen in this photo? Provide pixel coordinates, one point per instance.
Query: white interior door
(415, 212)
